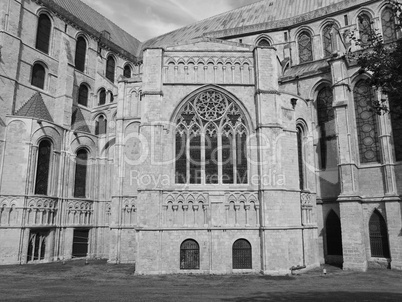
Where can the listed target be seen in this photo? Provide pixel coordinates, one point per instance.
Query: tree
(382, 59)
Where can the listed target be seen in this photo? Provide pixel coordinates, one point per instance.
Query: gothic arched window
(388, 25)
(102, 96)
(326, 123)
(80, 180)
(211, 137)
(300, 154)
(43, 33)
(395, 108)
(80, 54)
(83, 95)
(110, 68)
(378, 236)
(328, 39)
(43, 167)
(305, 44)
(38, 76)
(264, 42)
(333, 234)
(190, 255)
(366, 122)
(365, 28)
(241, 254)
(127, 71)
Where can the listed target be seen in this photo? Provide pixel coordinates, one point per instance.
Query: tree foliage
(382, 59)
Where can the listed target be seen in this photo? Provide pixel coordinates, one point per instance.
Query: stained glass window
(395, 106)
(80, 54)
(83, 95)
(189, 255)
(43, 33)
(388, 25)
(110, 68)
(81, 173)
(242, 257)
(38, 76)
(328, 39)
(365, 28)
(366, 122)
(326, 123)
(305, 47)
(210, 126)
(43, 168)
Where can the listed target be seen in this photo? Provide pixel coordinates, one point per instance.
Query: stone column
(353, 239)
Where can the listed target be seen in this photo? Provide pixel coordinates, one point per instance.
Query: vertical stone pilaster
(394, 223)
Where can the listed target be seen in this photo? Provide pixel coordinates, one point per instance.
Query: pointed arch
(305, 47)
(388, 24)
(43, 167)
(378, 236)
(333, 234)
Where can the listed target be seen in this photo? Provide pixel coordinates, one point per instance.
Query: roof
(261, 16)
(78, 121)
(35, 108)
(306, 69)
(81, 14)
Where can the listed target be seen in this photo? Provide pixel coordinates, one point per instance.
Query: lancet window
(211, 141)
(388, 25)
(328, 39)
(365, 28)
(305, 47)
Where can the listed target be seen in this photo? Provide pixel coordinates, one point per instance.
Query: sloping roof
(78, 12)
(36, 108)
(78, 121)
(306, 69)
(259, 16)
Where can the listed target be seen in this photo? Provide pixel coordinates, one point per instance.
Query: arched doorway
(333, 234)
(378, 236)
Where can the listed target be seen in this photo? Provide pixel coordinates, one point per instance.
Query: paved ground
(98, 281)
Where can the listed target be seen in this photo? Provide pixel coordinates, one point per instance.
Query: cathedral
(242, 143)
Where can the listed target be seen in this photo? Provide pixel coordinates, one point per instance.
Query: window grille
(388, 25)
(395, 107)
(127, 71)
(189, 255)
(242, 254)
(366, 123)
(305, 47)
(328, 39)
(326, 122)
(365, 29)
(378, 236)
(42, 168)
(80, 54)
(81, 173)
(110, 68)
(83, 95)
(43, 33)
(38, 76)
(211, 127)
(333, 234)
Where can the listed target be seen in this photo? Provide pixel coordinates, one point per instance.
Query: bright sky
(145, 19)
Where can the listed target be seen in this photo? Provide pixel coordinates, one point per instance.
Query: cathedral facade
(241, 143)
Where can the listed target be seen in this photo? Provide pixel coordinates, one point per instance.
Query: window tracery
(365, 28)
(211, 137)
(328, 39)
(305, 47)
(388, 25)
(366, 123)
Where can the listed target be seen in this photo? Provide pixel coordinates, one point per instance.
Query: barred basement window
(81, 173)
(211, 141)
(366, 123)
(38, 76)
(365, 29)
(326, 123)
(333, 234)
(127, 71)
(395, 107)
(110, 68)
(305, 47)
(388, 25)
(43, 167)
(378, 236)
(328, 39)
(241, 253)
(80, 54)
(83, 95)
(189, 255)
(43, 33)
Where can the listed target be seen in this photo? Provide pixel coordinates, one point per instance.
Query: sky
(145, 19)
